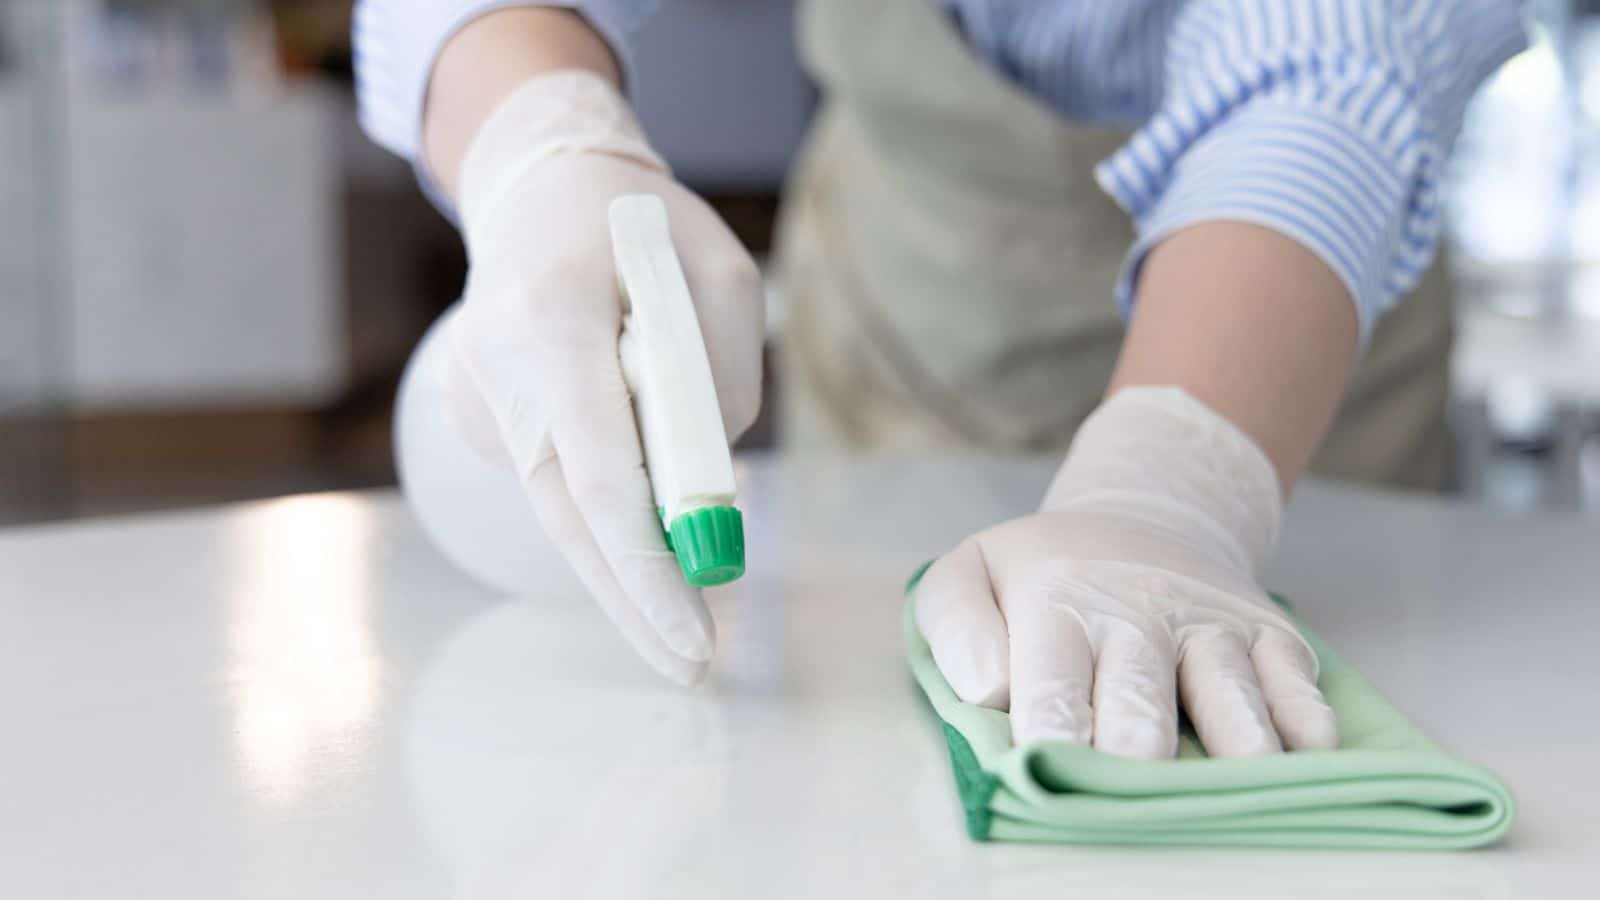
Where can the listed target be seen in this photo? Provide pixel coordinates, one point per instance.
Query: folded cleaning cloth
(1386, 786)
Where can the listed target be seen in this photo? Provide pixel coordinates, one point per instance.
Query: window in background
(1524, 222)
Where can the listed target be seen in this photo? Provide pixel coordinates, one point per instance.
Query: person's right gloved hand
(537, 379)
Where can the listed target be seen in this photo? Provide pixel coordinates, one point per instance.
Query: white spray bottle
(474, 510)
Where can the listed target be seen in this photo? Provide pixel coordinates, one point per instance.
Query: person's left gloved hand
(1134, 585)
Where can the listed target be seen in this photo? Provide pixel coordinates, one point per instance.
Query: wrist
(488, 59)
(557, 113)
(1161, 455)
(1250, 323)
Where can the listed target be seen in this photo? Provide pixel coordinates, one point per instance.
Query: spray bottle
(474, 510)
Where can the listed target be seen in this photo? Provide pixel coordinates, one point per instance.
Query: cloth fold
(1387, 786)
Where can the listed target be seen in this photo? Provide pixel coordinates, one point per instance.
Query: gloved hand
(1133, 586)
(537, 379)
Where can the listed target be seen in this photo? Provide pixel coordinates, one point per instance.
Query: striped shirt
(1328, 121)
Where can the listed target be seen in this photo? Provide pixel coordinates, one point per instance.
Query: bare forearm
(1251, 324)
(489, 58)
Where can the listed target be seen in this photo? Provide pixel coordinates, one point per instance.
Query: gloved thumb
(957, 615)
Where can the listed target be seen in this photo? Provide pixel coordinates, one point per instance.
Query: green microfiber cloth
(1386, 786)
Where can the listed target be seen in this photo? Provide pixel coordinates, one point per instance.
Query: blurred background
(210, 281)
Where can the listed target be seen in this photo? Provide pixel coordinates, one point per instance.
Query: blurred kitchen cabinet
(29, 314)
(170, 220)
(202, 251)
(24, 310)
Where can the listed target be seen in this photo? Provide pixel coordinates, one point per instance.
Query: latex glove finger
(547, 489)
(730, 304)
(1135, 693)
(1287, 672)
(956, 613)
(1052, 674)
(1218, 685)
(595, 437)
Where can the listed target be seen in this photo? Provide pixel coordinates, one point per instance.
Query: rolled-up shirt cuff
(1311, 176)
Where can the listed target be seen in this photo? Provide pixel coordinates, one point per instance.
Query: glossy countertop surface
(300, 698)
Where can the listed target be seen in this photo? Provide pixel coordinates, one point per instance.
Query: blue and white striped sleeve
(397, 41)
(1328, 122)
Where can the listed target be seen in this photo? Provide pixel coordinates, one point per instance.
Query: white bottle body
(470, 505)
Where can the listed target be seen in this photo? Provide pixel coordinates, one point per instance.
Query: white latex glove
(1134, 585)
(535, 343)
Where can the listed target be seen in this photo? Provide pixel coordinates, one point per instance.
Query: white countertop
(299, 698)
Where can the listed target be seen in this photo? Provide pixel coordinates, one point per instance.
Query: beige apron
(948, 263)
